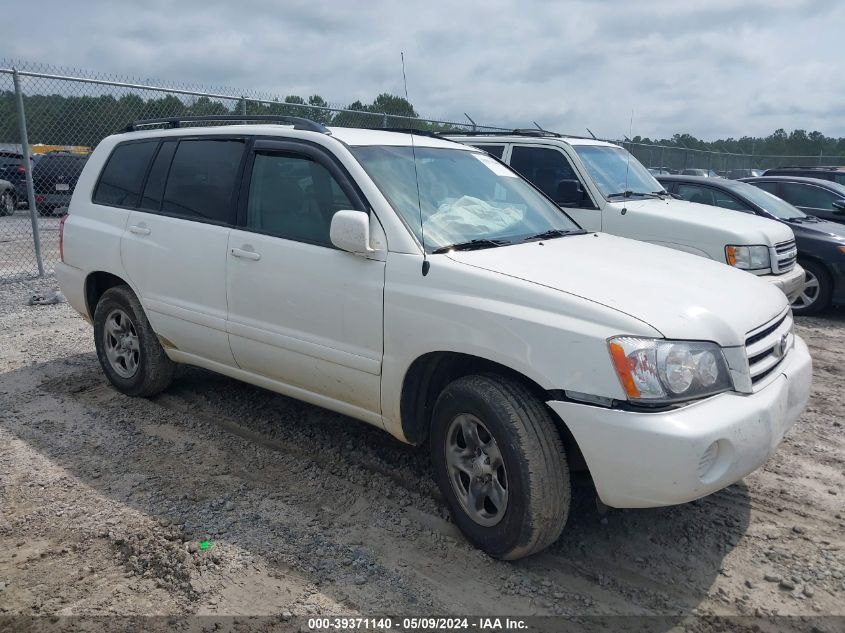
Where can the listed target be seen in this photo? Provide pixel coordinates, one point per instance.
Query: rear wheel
(7, 203)
(818, 287)
(128, 349)
(500, 464)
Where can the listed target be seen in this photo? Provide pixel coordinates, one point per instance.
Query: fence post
(27, 166)
(243, 105)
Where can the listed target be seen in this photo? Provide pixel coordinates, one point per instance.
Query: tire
(45, 211)
(7, 204)
(533, 473)
(136, 368)
(815, 297)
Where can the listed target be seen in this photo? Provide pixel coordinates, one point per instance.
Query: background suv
(54, 179)
(834, 174)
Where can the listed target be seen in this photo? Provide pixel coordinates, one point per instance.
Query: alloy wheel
(476, 470)
(810, 293)
(120, 339)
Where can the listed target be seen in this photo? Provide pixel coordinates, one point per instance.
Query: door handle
(239, 252)
(139, 230)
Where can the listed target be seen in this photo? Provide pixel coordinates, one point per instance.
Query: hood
(732, 227)
(822, 229)
(680, 295)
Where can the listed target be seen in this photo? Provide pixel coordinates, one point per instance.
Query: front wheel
(500, 464)
(127, 347)
(818, 287)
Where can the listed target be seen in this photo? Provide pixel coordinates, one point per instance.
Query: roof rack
(516, 132)
(405, 130)
(299, 123)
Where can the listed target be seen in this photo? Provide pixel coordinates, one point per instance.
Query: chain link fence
(676, 159)
(52, 118)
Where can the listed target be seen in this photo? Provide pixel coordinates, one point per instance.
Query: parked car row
(821, 243)
(426, 287)
(54, 176)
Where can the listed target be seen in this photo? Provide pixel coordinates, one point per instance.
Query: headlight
(660, 371)
(748, 257)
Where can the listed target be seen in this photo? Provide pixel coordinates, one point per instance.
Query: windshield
(615, 171)
(463, 196)
(770, 202)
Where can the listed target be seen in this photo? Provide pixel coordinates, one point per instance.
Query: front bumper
(791, 283)
(640, 460)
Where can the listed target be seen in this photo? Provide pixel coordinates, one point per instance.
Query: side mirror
(350, 231)
(569, 193)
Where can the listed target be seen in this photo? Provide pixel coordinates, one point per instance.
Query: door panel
(179, 269)
(300, 311)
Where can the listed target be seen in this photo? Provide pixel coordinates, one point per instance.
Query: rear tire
(127, 347)
(7, 204)
(815, 297)
(499, 462)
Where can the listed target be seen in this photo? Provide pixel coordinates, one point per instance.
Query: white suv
(604, 188)
(423, 287)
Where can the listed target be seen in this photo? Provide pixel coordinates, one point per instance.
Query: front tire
(127, 348)
(499, 462)
(817, 291)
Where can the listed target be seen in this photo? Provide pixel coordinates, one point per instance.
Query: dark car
(821, 244)
(705, 173)
(12, 171)
(54, 178)
(833, 173)
(822, 198)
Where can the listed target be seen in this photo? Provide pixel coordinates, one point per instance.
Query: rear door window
(202, 178)
(121, 180)
(543, 166)
(810, 196)
(154, 189)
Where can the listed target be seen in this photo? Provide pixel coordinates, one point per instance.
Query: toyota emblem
(780, 348)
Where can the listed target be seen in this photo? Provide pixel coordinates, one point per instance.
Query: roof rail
(299, 123)
(811, 167)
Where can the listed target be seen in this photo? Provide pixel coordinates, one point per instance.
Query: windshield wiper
(630, 194)
(471, 245)
(552, 233)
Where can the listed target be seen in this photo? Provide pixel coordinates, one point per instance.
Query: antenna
(426, 264)
(628, 164)
(591, 134)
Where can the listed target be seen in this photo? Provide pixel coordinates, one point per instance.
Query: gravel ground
(106, 502)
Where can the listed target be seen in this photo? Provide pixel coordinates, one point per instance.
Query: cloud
(716, 68)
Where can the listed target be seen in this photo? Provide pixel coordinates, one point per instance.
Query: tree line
(779, 143)
(84, 120)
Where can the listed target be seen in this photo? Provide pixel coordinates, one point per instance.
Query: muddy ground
(106, 503)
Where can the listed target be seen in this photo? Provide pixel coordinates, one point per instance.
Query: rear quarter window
(122, 177)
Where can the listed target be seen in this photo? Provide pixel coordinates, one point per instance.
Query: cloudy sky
(712, 68)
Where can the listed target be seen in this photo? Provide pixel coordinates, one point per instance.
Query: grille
(785, 256)
(767, 347)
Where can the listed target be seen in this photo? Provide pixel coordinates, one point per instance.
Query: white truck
(604, 188)
(421, 286)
